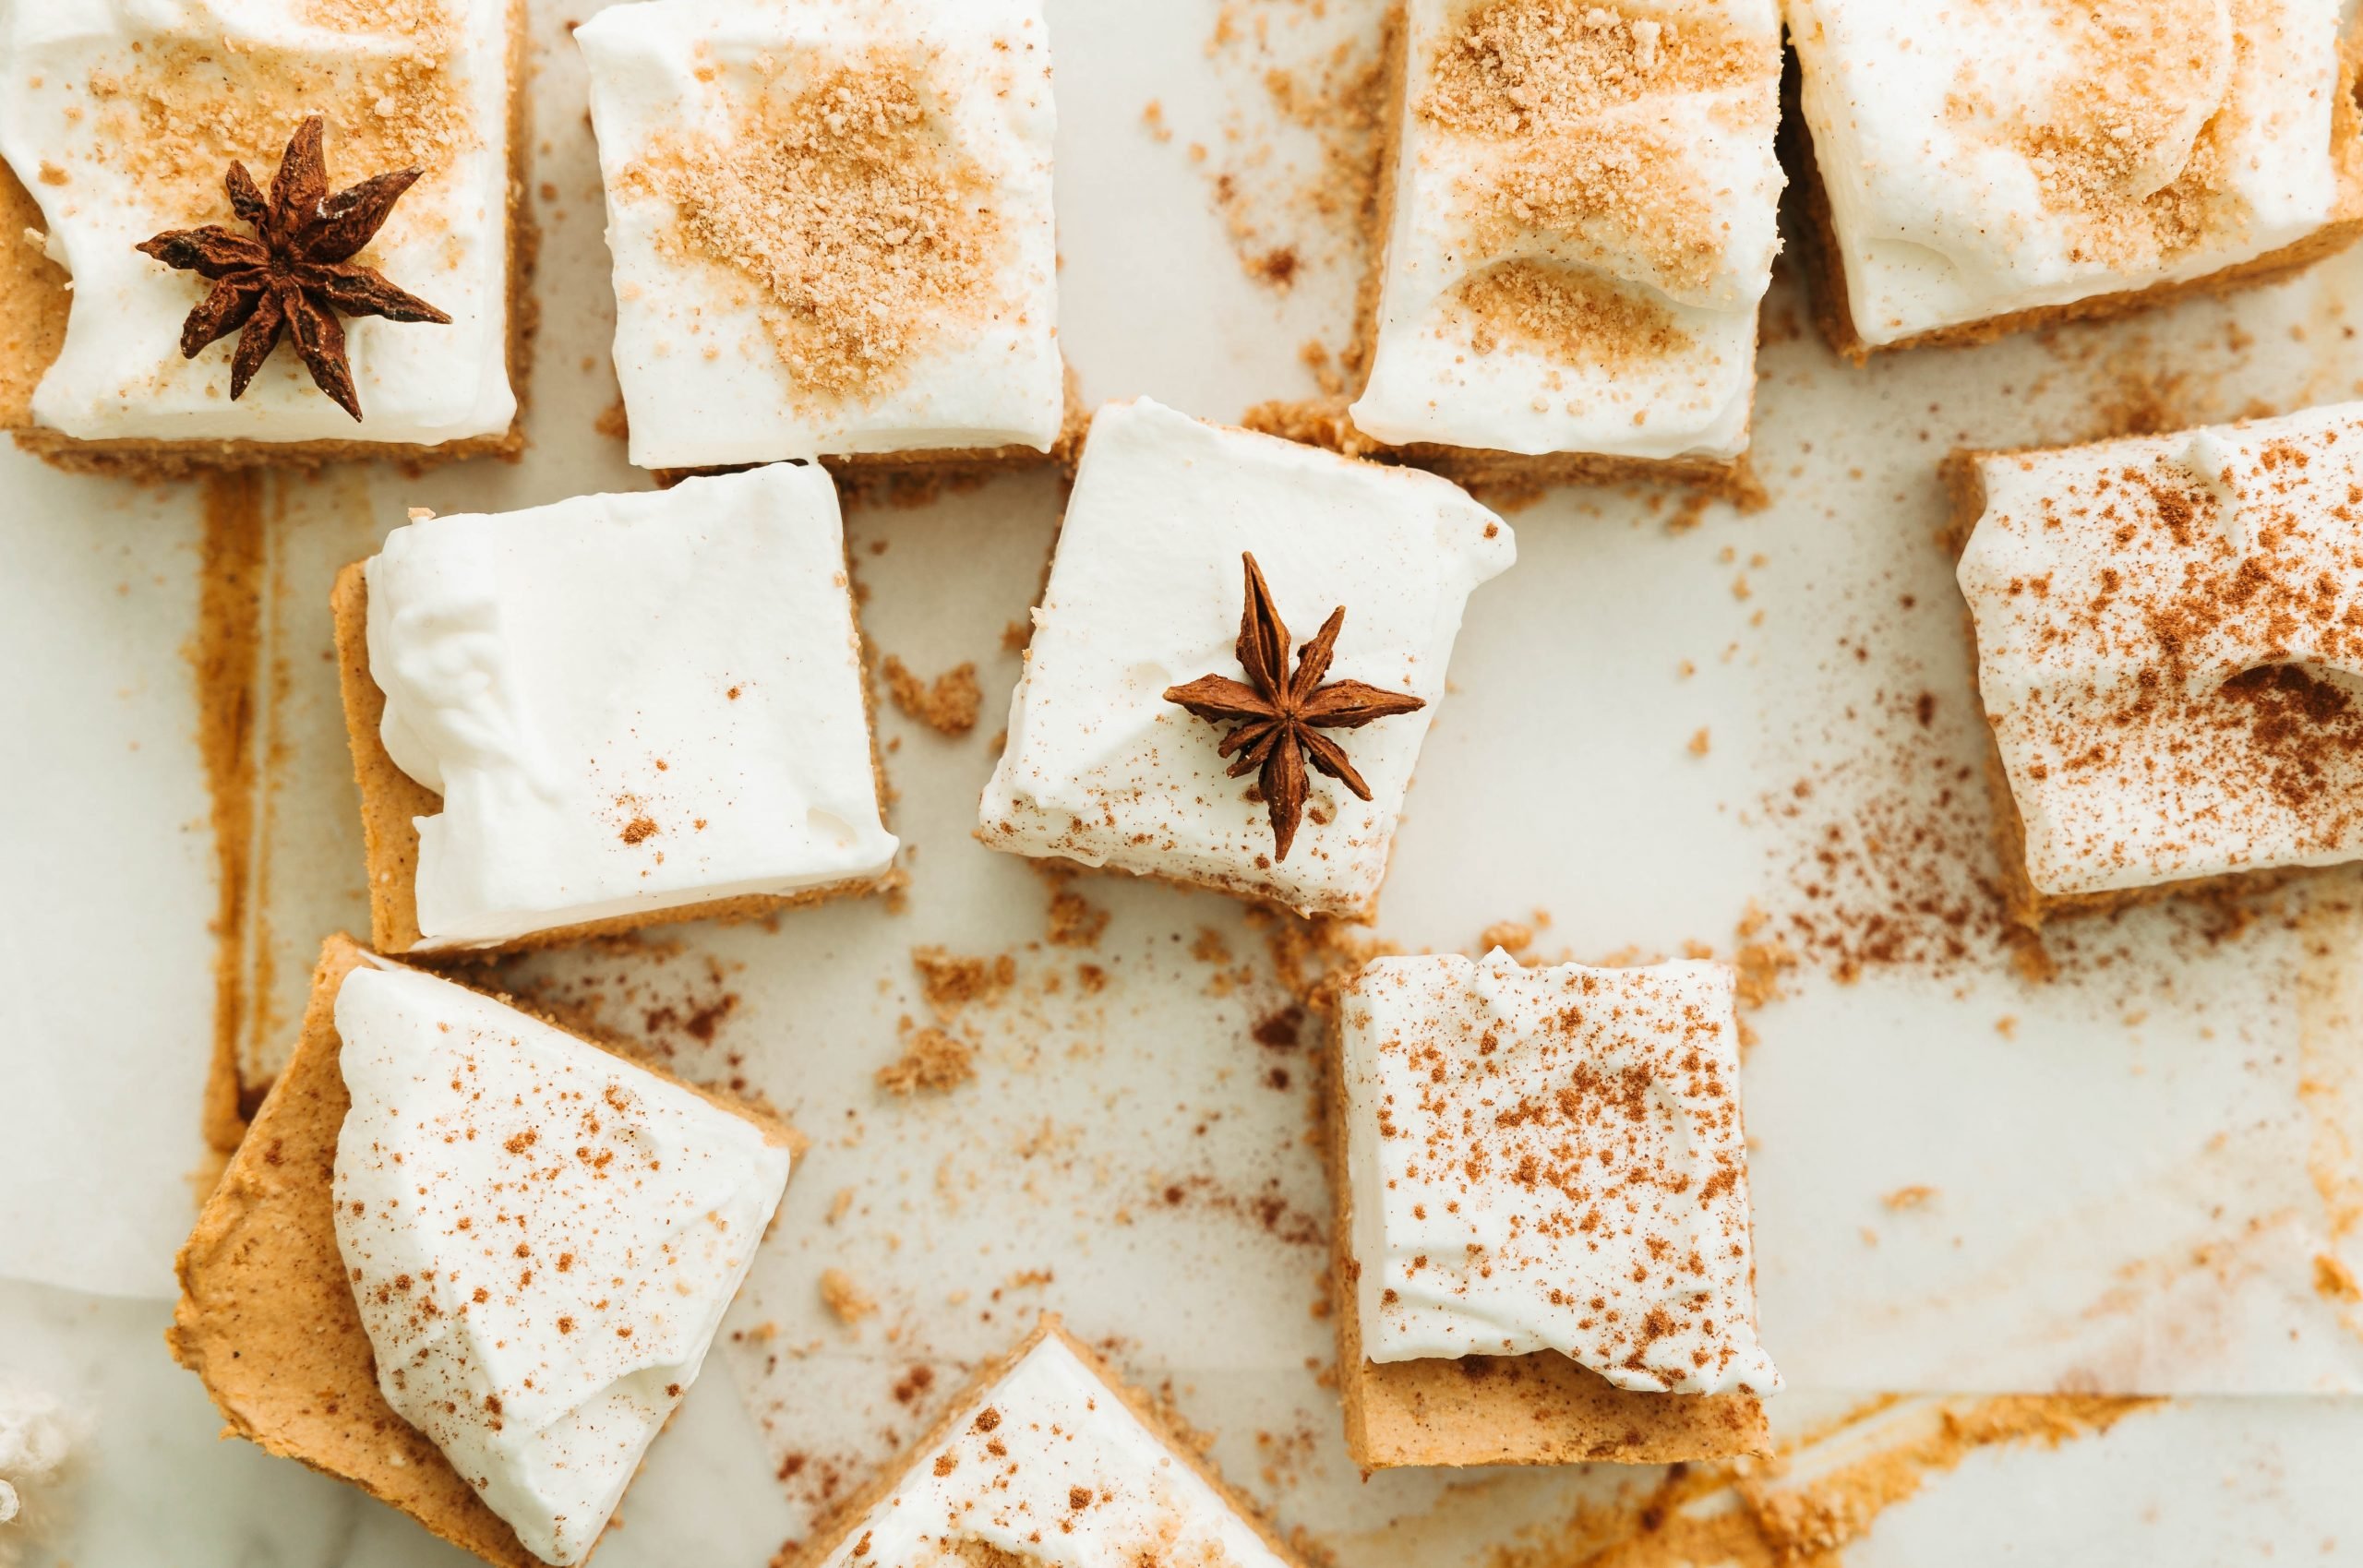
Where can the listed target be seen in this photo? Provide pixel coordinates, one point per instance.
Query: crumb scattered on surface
(846, 1301)
(948, 705)
(1913, 1197)
(932, 1060)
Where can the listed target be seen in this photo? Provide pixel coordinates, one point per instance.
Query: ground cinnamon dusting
(862, 231)
(1300, 85)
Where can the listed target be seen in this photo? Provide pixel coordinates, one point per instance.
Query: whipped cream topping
(1989, 159)
(2168, 649)
(1145, 594)
(542, 1240)
(1052, 1466)
(1552, 1159)
(122, 120)
(628, 703)
(1583, 225)
(831, 223)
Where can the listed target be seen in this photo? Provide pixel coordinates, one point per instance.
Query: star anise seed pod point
(296, 273)
(1278, 715)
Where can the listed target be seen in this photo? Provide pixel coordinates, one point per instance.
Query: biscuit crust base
(266, 1316)
(1821, 265)
(1540, 1408)
(34, 297)
(847, 1517)
(391, 801)
(1507, 476)
(2027, 906)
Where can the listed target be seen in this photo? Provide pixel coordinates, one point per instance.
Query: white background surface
(2131, 1186)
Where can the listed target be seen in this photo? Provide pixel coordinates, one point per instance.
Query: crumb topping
(172, 115)
(1569, 315)
(1545, 75)
(2129, 142)
(865, 230)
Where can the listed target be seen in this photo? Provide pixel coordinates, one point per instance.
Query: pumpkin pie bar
(2169, 641)
(1575, 229)
(831, 231)
(610, 712)
(1169, 723)
(470, 1263)
(1045, 1448)
(1977, 169)
(272, 233)
(1543, 1238)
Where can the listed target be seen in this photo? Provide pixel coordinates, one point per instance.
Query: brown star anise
(296, 271)
(1278, 714)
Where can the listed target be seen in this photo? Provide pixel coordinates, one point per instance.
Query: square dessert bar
(2169, 641)
(1978, 170)
(1168, 722)
(276, 233)
(1576, 226)
(1543, 1237)
(421, 1273)
(1046, 1446)
(609, 713)
(831, 230)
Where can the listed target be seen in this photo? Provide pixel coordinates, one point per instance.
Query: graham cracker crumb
(1913, 1197)
(1569, 315)
(932, 1060)
(948, 706)
(1700, 742)
(951, 982)
(846, 1301)
(1544, 71)
(866, 232)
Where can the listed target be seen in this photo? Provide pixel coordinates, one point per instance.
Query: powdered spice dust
(861, 230)
(2179, 626)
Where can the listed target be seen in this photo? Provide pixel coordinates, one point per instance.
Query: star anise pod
(296, 271)
(1278, 715)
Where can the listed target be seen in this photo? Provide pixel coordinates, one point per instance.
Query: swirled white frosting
(703, 382)
(2168, 652)
(1552, 1159)
(1621, 203)
(77, 75)
(1146, 592)
(1049, 1466)
(628, 703)
(542, 1240)
(1982, 160)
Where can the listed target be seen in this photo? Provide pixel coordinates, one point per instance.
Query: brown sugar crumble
(862, 230)
(1544, 72)
(949, 705)
(1568, 315)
